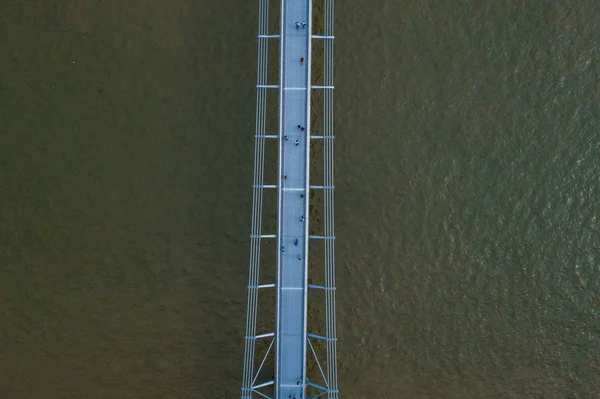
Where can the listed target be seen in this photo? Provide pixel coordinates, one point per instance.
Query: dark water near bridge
(467, 214)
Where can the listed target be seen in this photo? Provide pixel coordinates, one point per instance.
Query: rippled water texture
(467, 181)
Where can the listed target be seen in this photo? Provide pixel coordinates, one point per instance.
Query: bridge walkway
(293, 198)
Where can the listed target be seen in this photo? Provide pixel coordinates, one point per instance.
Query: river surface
(467, 176)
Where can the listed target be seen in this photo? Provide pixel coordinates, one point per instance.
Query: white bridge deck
(293, 190)
(290, 342)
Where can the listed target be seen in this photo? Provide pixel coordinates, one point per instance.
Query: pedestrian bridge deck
(290, 340)
(292, 234)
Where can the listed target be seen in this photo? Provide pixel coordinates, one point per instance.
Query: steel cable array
(328, 31)
(257, 200)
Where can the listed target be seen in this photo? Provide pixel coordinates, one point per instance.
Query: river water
(467, 177)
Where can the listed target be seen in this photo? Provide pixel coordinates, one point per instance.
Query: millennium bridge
(295, 355)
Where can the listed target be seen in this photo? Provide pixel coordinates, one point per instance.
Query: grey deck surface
(291, 353)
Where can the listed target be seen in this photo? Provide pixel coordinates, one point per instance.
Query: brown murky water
(467, 215)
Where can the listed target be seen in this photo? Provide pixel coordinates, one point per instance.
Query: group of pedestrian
(303, 26)
(302, 219)
(296, 142)
(285, 177)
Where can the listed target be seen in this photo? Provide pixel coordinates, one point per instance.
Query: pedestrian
(302, 60)
(302, 219)
(282, 249)
(299, 257)
(299, 127)
(303, 24)
(284, 177)
(297, 142)
(302, 128)
(296, 242)
(297, 25)
(301, 195)
(285, 137)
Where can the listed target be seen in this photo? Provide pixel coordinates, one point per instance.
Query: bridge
(279, 370)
